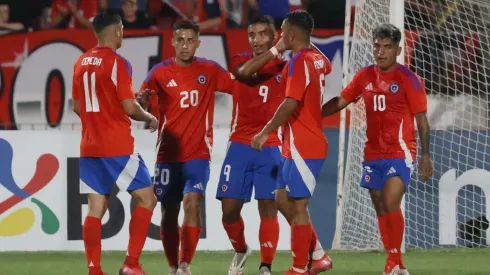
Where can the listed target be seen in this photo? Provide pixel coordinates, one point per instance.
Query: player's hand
(425, 167)
(145, 96)
(280, 46)
(259, 140)
(152, 122)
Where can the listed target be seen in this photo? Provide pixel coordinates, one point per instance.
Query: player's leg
(301, 176)
(397, 178)
(267, 166)
(318, 258)
(196, 176)
(235, 188)
(98, 183)
(168, 187)
(136, 179)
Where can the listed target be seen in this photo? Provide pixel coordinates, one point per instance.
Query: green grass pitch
(419, 262)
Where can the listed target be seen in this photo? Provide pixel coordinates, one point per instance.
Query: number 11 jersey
(185, 98)
(101, 80)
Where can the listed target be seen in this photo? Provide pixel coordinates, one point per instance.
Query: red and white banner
(36, 69)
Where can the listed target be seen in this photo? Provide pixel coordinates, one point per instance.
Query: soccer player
(394, 96)
(185, 90)
(103, 97)
(255, 99)
(304, 146)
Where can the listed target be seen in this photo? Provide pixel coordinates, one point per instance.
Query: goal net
(447, 44)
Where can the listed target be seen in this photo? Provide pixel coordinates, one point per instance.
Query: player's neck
(106, 45)
(184, 63)
(296, 48)
(390, 68)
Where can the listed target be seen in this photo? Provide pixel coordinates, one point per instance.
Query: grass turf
(419, 262)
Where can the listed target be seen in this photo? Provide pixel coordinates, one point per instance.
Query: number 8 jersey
(101, 80)
(392, 100)
(185, 107)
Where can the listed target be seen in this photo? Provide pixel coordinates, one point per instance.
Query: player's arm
(417, 102)
(249, 68)
(282, 115)
(74, 92)
(148, 89)
(351, 93)
(225, 80)
(126, 95)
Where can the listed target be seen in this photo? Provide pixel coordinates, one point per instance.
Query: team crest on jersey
(201, 79)
(278, 78)
(394, 88)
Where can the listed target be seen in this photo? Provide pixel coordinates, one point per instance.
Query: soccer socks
(396, 225)
(138, 231)
(315, 247)
(92, 239)
(384, 231)
(236, 234)
(268, 238)
(171, 241)
(190, 238)
(300, 242)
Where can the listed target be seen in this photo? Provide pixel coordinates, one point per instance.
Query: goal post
(447, 43)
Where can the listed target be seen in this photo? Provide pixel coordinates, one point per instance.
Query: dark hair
(387, 31)
(186, 25)
(261, 19)
(301, 19)
(103, 20)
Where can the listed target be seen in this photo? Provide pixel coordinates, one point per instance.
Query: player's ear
(399, 51)
(198, 43)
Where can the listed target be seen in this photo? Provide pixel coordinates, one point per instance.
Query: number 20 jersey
(255, 101)
(185, 107)
(392, 100)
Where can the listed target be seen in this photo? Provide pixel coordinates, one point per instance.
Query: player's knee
(170, 214)
(231, 209)
(192, 203)
(267, 209)
(97, 205)
(144, 198)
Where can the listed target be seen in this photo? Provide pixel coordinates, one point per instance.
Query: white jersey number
(264, 92)
(323, 87)
(161, 176)
(379, 103)
(189, 98)
(91, 100)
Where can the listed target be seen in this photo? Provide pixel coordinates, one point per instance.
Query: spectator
(277, 9)
(5, 24)
(117, 4)
(209, 14)
(73, 13)
(134, 19)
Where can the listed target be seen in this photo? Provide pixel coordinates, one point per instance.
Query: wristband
(274, 51)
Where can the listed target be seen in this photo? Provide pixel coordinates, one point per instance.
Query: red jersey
(255, 101)
(88, 8)
(185, 98)
(305, 81)
(392, 100)
(101, 80)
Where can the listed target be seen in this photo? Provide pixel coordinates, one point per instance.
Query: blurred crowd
(212, 15)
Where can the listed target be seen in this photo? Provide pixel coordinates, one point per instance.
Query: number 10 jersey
(184, 104)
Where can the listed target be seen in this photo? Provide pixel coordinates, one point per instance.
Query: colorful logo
(22, 220)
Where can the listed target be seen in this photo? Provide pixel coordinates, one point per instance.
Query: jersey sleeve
(150, 81)
(415, 94)
(225, 80)
(297, 79)
(353, 91)
(124, 84)
(235, 62)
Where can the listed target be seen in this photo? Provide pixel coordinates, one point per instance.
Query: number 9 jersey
(185, 98)
(392, 100)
